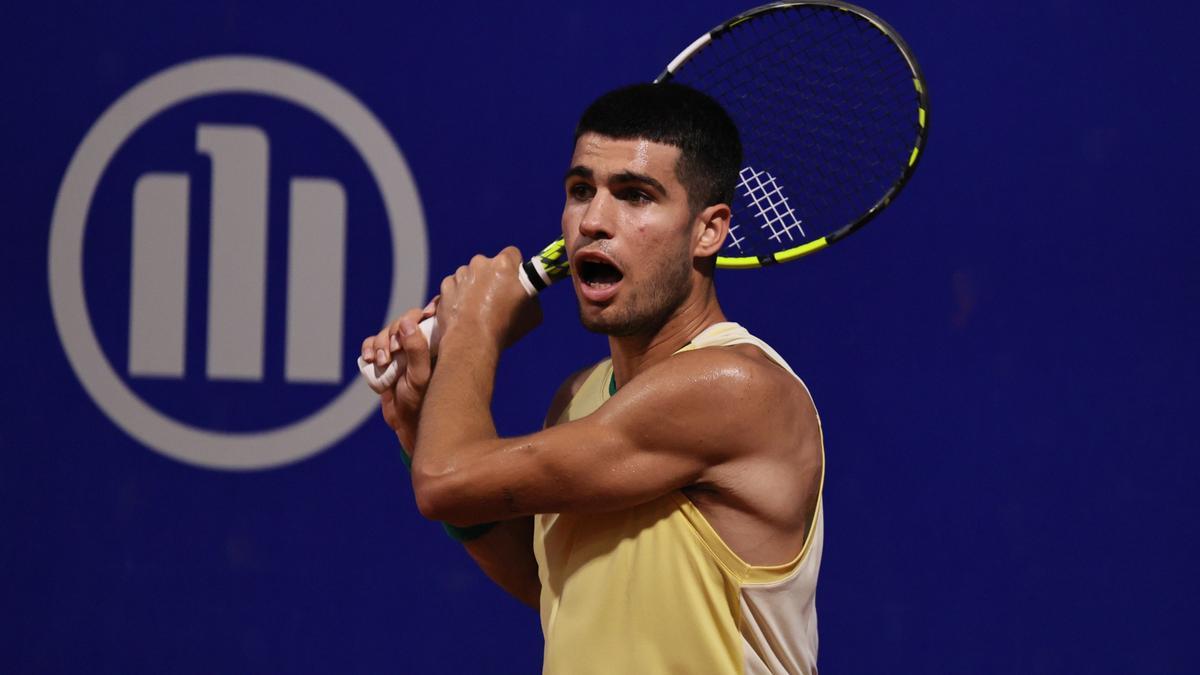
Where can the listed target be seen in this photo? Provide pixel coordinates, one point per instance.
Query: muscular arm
(719, 418)
(505, 553)
(663, 431)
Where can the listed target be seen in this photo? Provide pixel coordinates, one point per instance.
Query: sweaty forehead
(605, 155)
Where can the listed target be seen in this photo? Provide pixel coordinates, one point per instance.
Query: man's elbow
(432, 492)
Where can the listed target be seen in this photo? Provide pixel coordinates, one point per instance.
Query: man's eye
(636, 196)
(581, 191)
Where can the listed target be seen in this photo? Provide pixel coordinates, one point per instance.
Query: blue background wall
(1005, 361)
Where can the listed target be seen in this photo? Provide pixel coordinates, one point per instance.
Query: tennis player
(668, 518)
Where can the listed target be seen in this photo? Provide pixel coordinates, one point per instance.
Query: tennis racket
(833, 114)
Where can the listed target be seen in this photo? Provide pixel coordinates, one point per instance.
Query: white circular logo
(205, 77)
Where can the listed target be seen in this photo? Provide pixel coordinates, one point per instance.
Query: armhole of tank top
(742, 571)
(728, 559)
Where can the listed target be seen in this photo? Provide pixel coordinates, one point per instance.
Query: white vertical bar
(158, 279)
(316, 280)
(237, 269)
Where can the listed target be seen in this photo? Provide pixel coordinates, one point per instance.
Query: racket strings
(826, 107)
(770, 205)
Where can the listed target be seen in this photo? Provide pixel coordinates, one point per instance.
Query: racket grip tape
(381, 379)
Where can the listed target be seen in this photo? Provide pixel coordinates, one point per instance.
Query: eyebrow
(578, 170)
(623, 177)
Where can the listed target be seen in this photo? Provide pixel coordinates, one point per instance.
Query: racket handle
(381, 379)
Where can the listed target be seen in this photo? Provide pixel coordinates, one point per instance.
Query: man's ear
(712, 226)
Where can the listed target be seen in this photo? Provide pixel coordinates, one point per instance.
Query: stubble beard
(647, 308)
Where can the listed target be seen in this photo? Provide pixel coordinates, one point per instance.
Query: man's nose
(597, 221)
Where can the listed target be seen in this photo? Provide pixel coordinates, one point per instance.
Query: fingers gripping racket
(833, 114)
(536, 274)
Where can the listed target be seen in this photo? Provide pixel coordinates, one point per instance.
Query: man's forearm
(505, 554)
(455, 436)
(456, 417)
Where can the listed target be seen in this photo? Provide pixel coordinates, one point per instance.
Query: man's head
(676, 115)
(647, 205)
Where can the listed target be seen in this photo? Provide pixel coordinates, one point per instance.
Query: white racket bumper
(686, 54)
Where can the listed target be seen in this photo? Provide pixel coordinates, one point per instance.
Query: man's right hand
(402, 402)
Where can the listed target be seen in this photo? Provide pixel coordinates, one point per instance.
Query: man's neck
(633, 354)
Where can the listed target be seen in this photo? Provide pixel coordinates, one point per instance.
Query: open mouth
(598, 274)
(599, 278)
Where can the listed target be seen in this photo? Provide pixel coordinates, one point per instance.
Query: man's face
(627, 228)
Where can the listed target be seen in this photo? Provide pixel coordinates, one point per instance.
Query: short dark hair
(674, 114)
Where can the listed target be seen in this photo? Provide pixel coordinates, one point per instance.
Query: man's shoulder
(737, 380)
(739, 365)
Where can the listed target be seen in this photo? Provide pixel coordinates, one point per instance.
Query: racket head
(833, 113)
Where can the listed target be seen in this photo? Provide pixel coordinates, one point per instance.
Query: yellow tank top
(653, 589)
